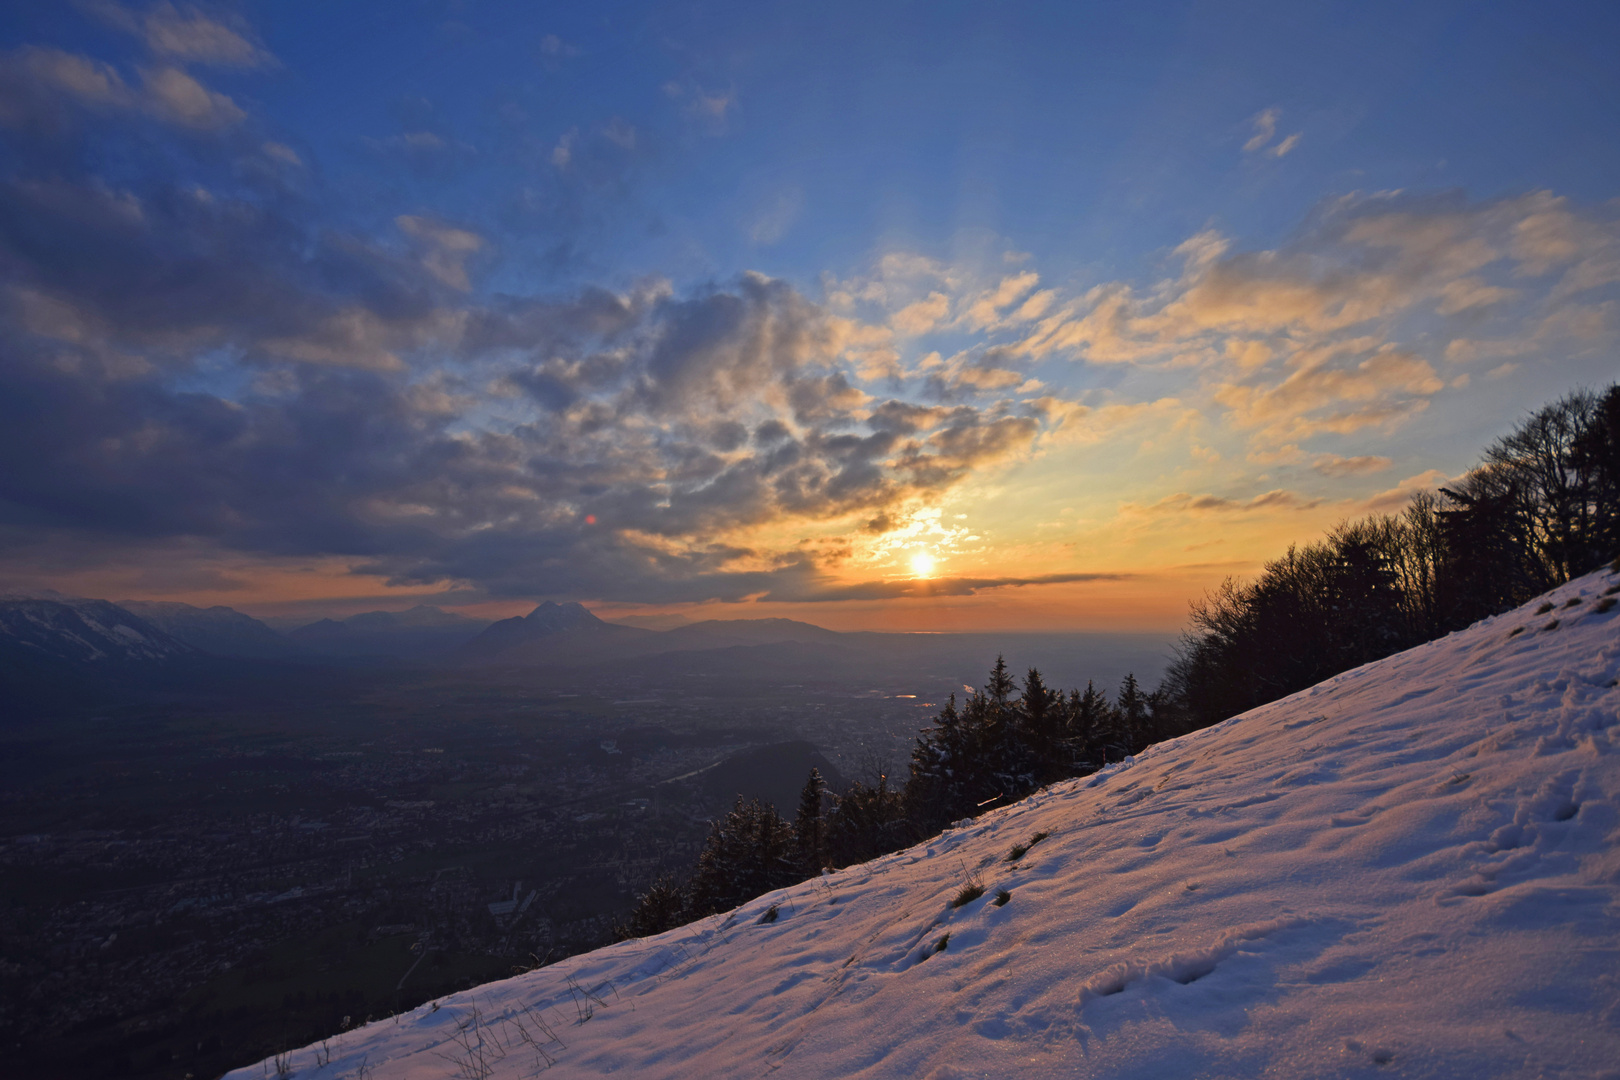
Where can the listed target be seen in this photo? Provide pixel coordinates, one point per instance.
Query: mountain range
(423, 632)
(55, 650)
(569, 633)
(218, 631)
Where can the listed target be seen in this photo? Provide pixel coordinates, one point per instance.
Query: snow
(1411, 869)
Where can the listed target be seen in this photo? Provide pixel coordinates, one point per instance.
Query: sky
(889, 316)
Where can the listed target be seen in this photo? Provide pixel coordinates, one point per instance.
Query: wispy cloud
(36, 82)
(772, 221)
(1181, 503)
(186, 34)
(1361, 465)
(1264, 126)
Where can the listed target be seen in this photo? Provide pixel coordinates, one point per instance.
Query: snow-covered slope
(1412, 869)
(82, 631)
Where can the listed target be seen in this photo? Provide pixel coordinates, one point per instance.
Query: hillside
(219, 631)
(1411, 869)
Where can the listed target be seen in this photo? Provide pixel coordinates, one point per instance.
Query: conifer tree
(1041, 715)
(809, 831)
(750, 851)
(938, 759)
(1132, 706)
(662, 907)
(867, 821)
(1090, 717)
(1000, 686)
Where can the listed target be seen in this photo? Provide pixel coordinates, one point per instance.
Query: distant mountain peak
(552, 616)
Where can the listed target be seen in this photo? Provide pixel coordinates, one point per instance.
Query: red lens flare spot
(590, 519)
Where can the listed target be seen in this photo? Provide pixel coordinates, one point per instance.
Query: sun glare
(922, 564)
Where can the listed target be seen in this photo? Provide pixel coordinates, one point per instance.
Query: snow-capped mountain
(1411, 869)
(80, 631)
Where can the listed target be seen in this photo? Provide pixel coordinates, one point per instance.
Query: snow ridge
(1412, 868)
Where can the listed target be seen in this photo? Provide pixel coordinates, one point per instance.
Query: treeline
(1543, 507)
(1000, 744)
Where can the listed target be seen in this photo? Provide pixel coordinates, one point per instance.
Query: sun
(922, 564)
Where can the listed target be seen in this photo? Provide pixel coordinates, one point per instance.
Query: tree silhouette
(809, 830)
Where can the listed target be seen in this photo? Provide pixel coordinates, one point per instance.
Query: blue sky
(1090, 304)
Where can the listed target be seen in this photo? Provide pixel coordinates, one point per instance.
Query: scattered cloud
(708, 107)
(178, 97)
(562, 155)
(36, 83)
(1335, 465)
(986, 309)
(1182, 503)
(620, 134)
(1395, 499)
(410, 141)
(919, 318)
(188, 35)
(554, 48)
(901, 588)
(283, 153)
(773, 220)
(1264, 125)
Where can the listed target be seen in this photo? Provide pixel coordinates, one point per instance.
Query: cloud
(283, 153)
(709, 108)
(1323, 395)
(1394, 499)
(713, 105)
(36, 83)
(985, 310)
(176, 96)
(1265, 127)
(1304, 338)
(562, 155)
(187, 35)
(620, 134)
(896, 589)
(411, 141)
(445, 248)
(1181, 503)
(918, 318)
(772, 221)
(1335, 465)
(555, 48)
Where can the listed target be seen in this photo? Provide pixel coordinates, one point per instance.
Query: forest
(1540, 508)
